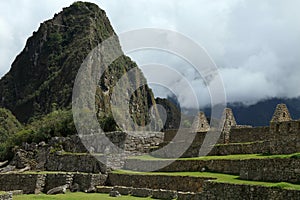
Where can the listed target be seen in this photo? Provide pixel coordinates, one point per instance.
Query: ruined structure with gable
(74, 166)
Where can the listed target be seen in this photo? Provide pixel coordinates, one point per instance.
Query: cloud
(255, 43)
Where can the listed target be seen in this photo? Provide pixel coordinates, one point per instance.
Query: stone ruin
(281, 114)
(202, 124)
(73, 166)
(229, 122)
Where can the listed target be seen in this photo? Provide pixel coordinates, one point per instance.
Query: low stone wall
(97, 143)
(88, 181)
(215, 190)
(274, 170)
(75, 163)
(277, 144)
(56, 180)
(25, 182)
(5, 196)
(178, 183)
(243, 135)
(221, 166)
(36, 183)
(285, 144)
(211, 190)
(170, 134)
(261, 147)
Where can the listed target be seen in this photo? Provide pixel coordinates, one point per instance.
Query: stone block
(141, 192)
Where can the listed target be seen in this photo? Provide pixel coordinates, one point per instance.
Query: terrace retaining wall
(36, 183)
(178, 183)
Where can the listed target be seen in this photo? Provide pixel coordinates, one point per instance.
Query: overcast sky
(255, 43)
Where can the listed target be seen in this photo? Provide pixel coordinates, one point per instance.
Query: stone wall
(25, 182)
(273, 170)
(215, 190)
(5, 196)
(34, 183)
(260, 147)
(209, 190)
(88, 181)
(220, 165)
(284, 129)
(128, 141)
(242, 135)
(75, 163)
(180, 183)
(56, 180)
(285, 137)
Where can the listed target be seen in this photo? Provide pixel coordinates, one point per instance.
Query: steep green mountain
(43, 74)
(8, 124)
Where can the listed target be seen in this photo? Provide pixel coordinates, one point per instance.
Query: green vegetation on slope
(8, 124)
(57, 123)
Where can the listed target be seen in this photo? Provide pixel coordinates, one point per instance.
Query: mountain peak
(44, 73)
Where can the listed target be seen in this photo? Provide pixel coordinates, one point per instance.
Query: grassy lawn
(228, 157)
(222, 178)
(74, 196)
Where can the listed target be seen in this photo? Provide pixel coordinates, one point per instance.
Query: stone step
(145, 192)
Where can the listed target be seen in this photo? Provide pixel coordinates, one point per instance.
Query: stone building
(203, 125)
(229, 121)
(281, 114)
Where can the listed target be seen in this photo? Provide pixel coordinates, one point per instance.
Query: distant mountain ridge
(261, 113)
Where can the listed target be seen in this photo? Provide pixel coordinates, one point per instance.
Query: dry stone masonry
(78, 170)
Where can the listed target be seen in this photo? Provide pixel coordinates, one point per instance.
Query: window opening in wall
(289, 127)
(277, 127)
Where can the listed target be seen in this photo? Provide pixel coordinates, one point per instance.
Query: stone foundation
(36, 183)
(220, 166)
(215, 190)
(5, 196)
(75, 163)
(273, 170)
(177, 183)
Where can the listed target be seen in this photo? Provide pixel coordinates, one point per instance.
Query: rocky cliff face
(43, 74)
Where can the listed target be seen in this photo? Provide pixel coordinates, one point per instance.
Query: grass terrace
(73, 196)
(218, 177)
(227, 157)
